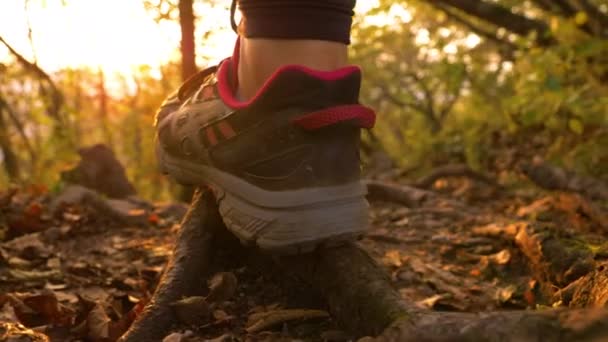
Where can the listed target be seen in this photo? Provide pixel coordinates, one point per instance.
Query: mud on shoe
(284, 165)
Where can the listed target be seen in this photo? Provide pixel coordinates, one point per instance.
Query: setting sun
(114, 35)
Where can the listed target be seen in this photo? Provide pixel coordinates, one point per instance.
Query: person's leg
(260, 58)
(274, 130)
(312, 33)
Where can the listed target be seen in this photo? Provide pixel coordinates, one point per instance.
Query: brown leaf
(393, 258)
(529, 297)
(501, 258)
(30, 244)
(536, 207)
(35, 209)
(12, 332)
(48, 309)
(268, 319)
(98, 323)
(34, 275)
(429, 303)
(222, 287)
(223, 338)
(121, 326)
(153, 219)
(475, 272)
(25, 224)
(46, 304)
(7, 313)
(7, 196)
(136, 212)
(192, 310)
(179, 337)
(221, 315)
(504, 294)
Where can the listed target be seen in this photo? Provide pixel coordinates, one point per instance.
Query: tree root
(359, 295)
(185, 272)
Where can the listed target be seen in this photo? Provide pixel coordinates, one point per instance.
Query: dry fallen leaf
(222, 287)
(220, 315)
(12, 332)
(501, 258)
(30, 242)
(529, 297)
(261, 321)
(178, 336)
(429, 303)
(35, 275)
(41, 309)
(98, 323)
(153, 219)
(504, 294)
(393, 258)
(192, 310)
(223, 338)
(7, 313)
(475, 272)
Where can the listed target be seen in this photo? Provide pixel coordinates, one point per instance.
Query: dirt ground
(74, 273)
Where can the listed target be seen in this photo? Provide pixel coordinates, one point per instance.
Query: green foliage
(464, 98)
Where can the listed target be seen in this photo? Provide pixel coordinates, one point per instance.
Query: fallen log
(555, 178)
(403, 194)
(124, 211)
(358, 294)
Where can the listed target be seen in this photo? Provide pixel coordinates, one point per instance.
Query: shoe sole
(283, 222)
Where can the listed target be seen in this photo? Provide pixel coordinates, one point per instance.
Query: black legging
(297, 19)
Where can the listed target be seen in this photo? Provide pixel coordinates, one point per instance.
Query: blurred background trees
(487, 83)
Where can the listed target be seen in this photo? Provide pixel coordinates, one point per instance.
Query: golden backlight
(115, 35)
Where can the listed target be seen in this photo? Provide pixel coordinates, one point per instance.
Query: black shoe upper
(260, 143)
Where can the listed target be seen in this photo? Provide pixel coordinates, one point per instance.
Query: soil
(73, 273)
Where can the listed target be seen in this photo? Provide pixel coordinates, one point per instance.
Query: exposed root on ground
(362, 300)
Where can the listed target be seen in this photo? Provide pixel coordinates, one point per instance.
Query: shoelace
(235, 27)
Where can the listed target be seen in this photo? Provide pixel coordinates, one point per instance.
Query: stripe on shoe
(214, 134)
(226, 129)
(361, 116)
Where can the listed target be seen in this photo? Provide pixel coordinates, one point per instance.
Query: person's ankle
(260, 58)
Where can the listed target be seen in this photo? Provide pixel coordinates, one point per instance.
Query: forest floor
(74, 273)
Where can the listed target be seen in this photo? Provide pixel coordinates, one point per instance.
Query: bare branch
(19, 126)
(399, 102)
(506, 46)
(500, 16)
(56, 96)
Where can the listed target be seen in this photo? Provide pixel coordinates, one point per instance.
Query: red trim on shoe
(211, 137)
(226, 129)
(226, 88)
(361, 116)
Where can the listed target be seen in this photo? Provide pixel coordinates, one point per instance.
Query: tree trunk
(11, 162)
(102, 97)
(188, 48)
